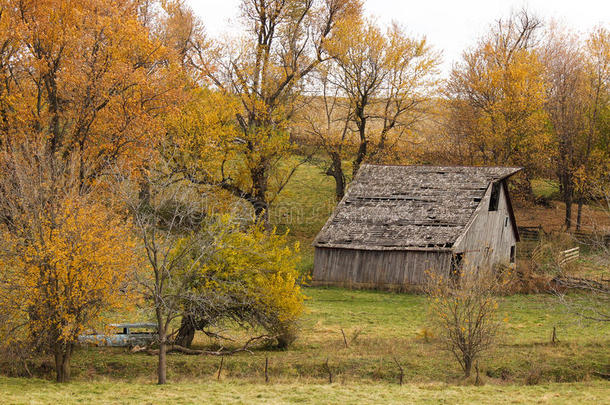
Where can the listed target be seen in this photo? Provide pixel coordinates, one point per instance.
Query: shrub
(464, 312)
(250, 277)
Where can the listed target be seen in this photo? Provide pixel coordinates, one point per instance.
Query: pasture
(381, 330)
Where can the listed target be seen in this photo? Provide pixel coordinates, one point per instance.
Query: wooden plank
(569, 255)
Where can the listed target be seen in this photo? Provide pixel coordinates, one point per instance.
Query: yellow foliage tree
(206, 268)
(258, 270)
(63, 275)
(84, 80)
(592, 176)
(264, 71)
(374, 92)
(577, 74)
(82, 85)
(495, 101)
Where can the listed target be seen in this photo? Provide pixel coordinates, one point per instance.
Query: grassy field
(19, 391)
(380, 328)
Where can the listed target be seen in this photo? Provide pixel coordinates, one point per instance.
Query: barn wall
(490, 235)
(389, 269)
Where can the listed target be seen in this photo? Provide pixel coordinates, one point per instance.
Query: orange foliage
(66, 273)
(82, 79)
(82, 85)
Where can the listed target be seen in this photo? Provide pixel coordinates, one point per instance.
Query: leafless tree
(168, 224)
(464, 311)
(178, 238)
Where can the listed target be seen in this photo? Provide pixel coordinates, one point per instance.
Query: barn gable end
(490, 234)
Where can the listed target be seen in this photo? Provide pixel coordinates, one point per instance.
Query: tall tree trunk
(63, 355)
(579, 215)
(336, 171)
(162, 330)
(186, 333)
(360, 155)
(568, 196)
(362, 149)
(162, 366)
(467, 366)
(568, 218)
(259, 193)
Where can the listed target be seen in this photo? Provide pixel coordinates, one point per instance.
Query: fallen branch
(195, 352)
(214, 335)
(580, 283)
(605, 376)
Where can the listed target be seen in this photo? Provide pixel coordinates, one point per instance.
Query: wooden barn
(397, 222)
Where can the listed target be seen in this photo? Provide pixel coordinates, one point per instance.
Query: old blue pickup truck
(128, 335)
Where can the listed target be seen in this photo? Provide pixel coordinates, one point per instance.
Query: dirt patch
(552, 219)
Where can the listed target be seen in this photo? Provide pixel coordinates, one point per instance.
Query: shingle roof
(402, 207)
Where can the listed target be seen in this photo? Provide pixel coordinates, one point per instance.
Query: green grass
(20, 391)
(545, 188)
(304, 206)
(388, 326)
(306, 201)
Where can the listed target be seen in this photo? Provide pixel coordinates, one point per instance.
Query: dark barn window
(456, 267)
(495, 196)
(512, 254)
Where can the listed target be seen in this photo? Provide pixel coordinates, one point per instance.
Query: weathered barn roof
(408, 207)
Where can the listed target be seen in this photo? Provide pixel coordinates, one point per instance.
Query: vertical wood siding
(490, 235)
(385, 269)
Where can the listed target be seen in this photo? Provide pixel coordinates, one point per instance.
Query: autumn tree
(87, 79)
(592, 175)
(65, 262)
(204, 267)
(326, 120)
(82, 85)
(577, 75)
(254, 272)
(495, 99)
(567, 109)
(373, 92)
(264, 71)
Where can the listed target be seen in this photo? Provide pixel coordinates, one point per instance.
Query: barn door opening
(456, 267)
(494, 199)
